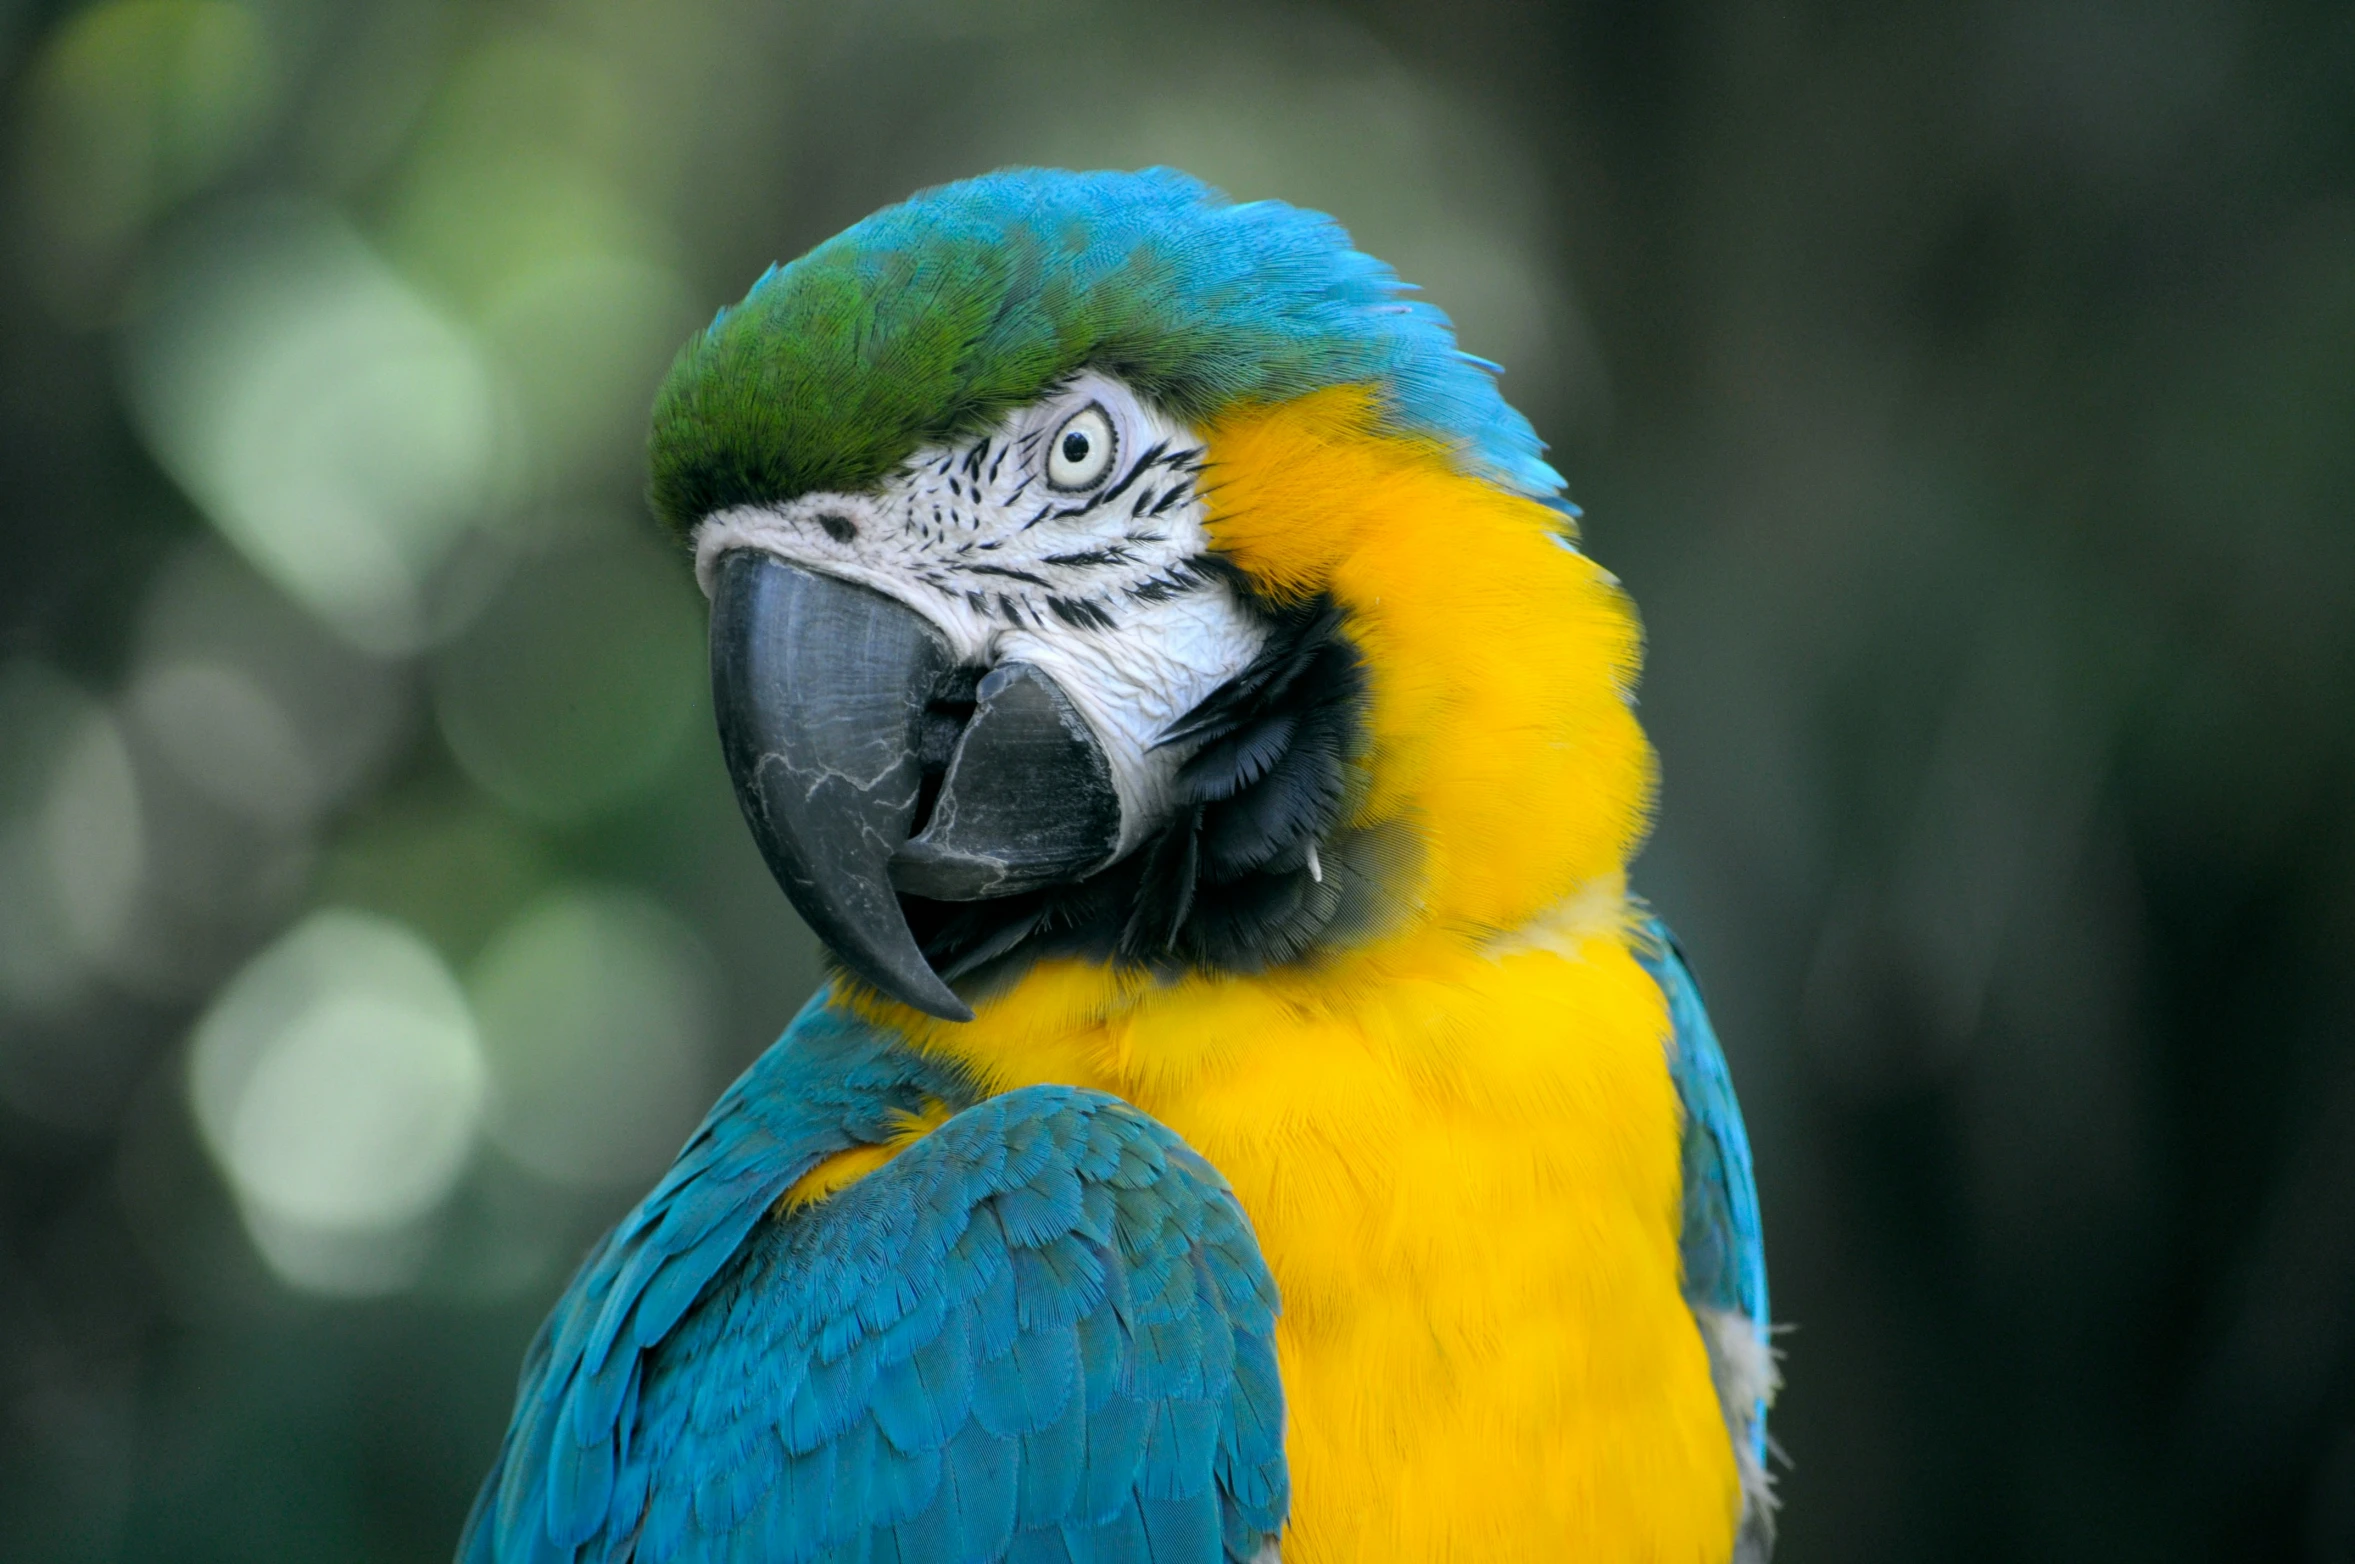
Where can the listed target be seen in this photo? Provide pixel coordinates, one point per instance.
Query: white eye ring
(1081, 452)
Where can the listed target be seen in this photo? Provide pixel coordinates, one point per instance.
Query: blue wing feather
(1042, 1331)
(1723, 1244)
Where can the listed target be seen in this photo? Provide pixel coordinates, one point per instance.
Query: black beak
(821, 689)
(1028, 800)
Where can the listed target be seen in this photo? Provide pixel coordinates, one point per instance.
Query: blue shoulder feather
(1043, 1331)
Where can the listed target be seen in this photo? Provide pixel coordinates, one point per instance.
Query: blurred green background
(1966, 391)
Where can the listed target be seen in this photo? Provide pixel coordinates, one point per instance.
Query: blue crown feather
(933, 317)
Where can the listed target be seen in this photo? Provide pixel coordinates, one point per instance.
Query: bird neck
(1501, 662)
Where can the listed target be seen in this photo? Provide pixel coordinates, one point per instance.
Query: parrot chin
(827, 693)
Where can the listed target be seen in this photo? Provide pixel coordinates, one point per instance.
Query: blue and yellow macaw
(1250, 1118)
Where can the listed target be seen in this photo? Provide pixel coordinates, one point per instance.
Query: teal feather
(1052, 1457)
(668, 1513)
(903, 1484)
(1027, 1388)
(1039, 1545)
(1103, 1349)
(921, 1403)
(997, 1311)
(1179, 1442)
(1117, 1429)
(580, 1483)
(1184, 1529)
(1119, 1536)
(983, 1471)
(1057, 1281)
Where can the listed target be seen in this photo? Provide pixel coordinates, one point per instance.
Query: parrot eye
(1083, 449)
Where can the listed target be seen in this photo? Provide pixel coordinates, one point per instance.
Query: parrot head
(1103, 569)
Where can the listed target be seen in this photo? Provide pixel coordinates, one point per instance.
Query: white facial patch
(1031, 544)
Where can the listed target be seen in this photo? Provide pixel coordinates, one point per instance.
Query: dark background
(1966, 392)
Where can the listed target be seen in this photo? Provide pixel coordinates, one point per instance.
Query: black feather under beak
(822, 689)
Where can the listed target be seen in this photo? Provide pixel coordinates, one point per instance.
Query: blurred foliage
(1967, 392)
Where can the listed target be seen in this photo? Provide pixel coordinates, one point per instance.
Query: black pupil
(1075, 446)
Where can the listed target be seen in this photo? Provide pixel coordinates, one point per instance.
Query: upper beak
(821, 688)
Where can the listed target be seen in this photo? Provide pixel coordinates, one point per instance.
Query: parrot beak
(1028, 800)
(821, 688)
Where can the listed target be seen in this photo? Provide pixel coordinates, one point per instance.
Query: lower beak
(1028, 800)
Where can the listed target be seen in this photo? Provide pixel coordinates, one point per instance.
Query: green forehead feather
(932, 318)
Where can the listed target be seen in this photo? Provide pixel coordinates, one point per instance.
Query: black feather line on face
(1243, 877)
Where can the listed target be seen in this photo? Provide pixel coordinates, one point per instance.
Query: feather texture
(1043, 1325)
(932, 317)
(1722, 1242)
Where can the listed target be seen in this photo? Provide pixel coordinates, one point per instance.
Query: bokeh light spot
(229, 737)
(336, 427)
(91, 835)
(572, 691)
(339, 1083)
(583, 393)
(1318, 115)
(134, 104)
(249, 698)
(596, 1011)
(72, 848)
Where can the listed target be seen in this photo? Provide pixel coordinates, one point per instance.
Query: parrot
(1246, 1115)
